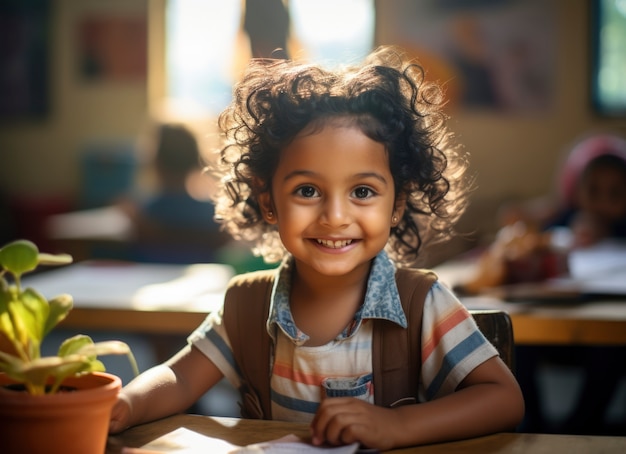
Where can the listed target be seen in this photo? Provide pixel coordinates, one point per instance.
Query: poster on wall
(112, 48)
(491, 54)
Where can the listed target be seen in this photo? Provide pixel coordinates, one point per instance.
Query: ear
(398, 209)
(267, 207)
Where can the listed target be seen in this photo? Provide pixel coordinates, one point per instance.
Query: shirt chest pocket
(358, 387)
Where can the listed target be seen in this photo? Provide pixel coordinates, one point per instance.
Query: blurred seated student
(592, 183)
(589, 207)
(171, 224)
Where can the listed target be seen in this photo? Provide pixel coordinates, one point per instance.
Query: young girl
(334, 172)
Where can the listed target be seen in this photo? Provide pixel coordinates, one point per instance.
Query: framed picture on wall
(112, 47)
(24, 59)
(608, 57)
(491, 55)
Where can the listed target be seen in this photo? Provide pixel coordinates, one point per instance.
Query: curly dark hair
(387, 98)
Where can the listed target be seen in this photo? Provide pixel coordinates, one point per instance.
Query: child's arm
(488, 400)
(165, 389)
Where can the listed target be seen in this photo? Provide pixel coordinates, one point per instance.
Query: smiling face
(332, 197)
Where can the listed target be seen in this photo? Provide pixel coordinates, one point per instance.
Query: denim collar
(381, 300)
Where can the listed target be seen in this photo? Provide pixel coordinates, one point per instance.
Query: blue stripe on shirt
(303, 406)
(452, 358)
(223, 348)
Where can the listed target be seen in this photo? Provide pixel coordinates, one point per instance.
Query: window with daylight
(608, 84)
(207, 46)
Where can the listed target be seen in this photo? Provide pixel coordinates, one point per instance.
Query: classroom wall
(512, 155)
(41, 155)
(515, 154)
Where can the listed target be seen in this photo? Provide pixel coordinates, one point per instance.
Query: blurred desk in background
(174, 299)
(145, 298)
(586, 323)
(560, 313)
(106, 223)
(84, 233)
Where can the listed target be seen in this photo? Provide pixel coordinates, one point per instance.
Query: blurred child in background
(588, 207)
(172, 223)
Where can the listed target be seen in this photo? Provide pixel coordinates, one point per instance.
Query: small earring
(394, 219)
(270, 214)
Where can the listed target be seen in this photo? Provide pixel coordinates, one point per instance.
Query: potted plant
(48, 404)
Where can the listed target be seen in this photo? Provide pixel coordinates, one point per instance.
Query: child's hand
(120, 415)
(345, 420)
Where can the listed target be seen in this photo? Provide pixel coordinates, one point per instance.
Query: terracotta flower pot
(72, 422)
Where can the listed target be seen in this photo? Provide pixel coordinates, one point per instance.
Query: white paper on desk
(599, 269)
(607, 257)
(185, 441)
(291, 444)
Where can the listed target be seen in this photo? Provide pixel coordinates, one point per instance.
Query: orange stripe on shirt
(285, 371)
(452, 320)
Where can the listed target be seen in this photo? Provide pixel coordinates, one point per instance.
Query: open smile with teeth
(334, 244)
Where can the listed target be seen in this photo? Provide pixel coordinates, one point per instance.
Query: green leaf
(59, 306)
(26, 317)
(110, 348)
(54, 259)
(21, 319)
(38, 308)
(19, 256)
(75, 365)
(12, 366)
(6, 326)
(38, 372)
(73, 345)
(5, 320)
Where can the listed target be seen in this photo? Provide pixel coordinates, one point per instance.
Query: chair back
(496, 326)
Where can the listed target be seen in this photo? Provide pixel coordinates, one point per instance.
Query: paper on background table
(137, 285)
(185, 441)
(597, 270)
(605, 257)
(600, 269)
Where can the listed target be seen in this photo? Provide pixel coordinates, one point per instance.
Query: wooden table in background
(156, 299)
(589, 323)
(162, 302)
(242, 432)
(136, 297)
(601, 321)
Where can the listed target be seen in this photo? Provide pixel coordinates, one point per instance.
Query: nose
(336, 211)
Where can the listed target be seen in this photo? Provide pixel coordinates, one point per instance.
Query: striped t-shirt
(452, 346)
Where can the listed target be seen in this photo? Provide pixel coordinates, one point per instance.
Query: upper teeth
(334, 244)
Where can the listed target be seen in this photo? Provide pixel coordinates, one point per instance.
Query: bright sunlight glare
(201, 43)
(332, 31)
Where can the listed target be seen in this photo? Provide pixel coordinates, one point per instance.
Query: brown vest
(396, 352)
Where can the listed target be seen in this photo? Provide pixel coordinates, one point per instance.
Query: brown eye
(307, 191)
(363, 192)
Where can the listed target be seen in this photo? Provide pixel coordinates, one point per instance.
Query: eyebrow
(358, 176)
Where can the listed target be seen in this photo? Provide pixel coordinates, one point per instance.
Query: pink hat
(581, 155)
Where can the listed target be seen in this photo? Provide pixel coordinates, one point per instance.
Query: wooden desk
(598, 322)
(242, 432)
(590, 323)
